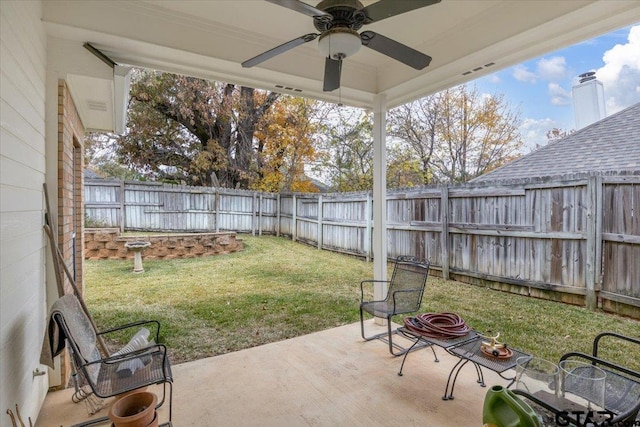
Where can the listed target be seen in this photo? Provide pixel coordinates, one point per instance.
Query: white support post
(379, 197)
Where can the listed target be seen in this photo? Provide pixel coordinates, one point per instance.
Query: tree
(347, 144)
(286, 142)
(458, 134)
(556, 134)
(193, 131)
(403, 168)
(416, 124)
(100, 156)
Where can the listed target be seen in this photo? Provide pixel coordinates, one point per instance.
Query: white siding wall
(22, 172)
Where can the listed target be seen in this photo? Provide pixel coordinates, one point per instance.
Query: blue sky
(541, 88)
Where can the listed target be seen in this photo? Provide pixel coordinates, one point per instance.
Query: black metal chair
(404, 295)
(622, 388)
(120, 372)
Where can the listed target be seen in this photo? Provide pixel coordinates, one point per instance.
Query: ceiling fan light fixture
(339, 43)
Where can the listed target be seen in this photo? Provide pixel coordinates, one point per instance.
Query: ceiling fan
(338, 22)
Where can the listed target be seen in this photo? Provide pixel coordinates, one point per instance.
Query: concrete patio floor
(328, 378)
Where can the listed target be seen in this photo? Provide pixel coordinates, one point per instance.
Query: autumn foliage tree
(285, 145)
(200, 132)
(188, 130)
(346, 141)
(452, 136)
(457, 134)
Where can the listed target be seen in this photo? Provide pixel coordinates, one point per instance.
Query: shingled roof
(609, 145)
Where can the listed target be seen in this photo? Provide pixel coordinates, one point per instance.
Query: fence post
(444, 237)
(122, 211)
(367, 227)
(253, 215)
(260, 215)
(216, 213)
(599, 240)
(278, 215)
(320, 221)
(294, 219)
(594, 239)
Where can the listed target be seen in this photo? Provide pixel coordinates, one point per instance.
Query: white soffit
(94, 99)
(209, 39)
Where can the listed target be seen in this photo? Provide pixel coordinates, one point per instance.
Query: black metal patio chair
(131, 368)
(404, 295)
(621, 394)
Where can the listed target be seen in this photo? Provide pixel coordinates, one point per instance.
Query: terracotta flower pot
(125, 394)
(154, 422)
(135, 410)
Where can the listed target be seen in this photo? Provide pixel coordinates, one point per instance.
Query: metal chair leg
(387, 337)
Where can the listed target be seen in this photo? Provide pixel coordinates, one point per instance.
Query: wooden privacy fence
(575, 239)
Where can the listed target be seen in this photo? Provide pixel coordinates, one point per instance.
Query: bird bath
(137, 248)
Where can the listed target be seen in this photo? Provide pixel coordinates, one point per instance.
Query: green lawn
(276, 289)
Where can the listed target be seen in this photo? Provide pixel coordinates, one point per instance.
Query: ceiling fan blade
(388, 8)
(332, 69)
(395, 50)
(279, 49)
(301, 7)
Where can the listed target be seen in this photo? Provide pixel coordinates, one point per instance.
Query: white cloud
(495, 78)
(620, 74)
(559, 96)
(551, 69)
(521, 73)
(534, 132)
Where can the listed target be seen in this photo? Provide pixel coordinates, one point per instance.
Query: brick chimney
(588, 100)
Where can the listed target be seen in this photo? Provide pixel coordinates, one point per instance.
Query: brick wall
(107, 243)
(70, 183)
(70, 217)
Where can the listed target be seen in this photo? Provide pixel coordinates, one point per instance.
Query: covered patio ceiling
(210, 39)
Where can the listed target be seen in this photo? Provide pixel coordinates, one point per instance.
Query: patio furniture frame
(404, 295)
(470, 351)
(622, 388)
(118, 373)
(466, 349)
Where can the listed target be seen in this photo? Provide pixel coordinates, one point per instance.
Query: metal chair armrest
(598, 337)
(627, 417)
(368, 281)
(155, 331)
(598, 361)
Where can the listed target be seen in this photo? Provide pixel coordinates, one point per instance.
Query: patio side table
(466, 349)
(469, 351)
